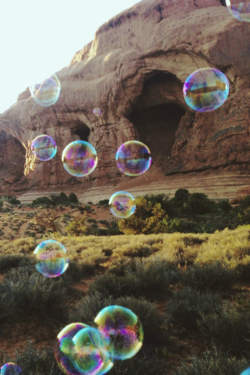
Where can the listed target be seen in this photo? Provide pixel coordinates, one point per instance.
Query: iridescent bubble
(206, 89)
(123, 328)
(79, 158)
(122, 204)
(92, 352)
(10, 368)
(239, 9)
(47, 92)
(246, 372)
(133, 158)
(51, 258)
(64, 350)
(44, 147)
(97, 112)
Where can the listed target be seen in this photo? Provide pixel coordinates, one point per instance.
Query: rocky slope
(134, 71)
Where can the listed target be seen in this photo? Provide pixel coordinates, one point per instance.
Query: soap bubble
(123, 328)
(122, 204)
(47, 92)
(79, 158)
(51, 257)
(97, 112)
(133, 158)
(206, 89)
(44, 147)
(92, 352)
(239, 9)
(10, 368)
(246, 372)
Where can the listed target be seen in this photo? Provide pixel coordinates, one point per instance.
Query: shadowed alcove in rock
(82, 132)
(157, 114)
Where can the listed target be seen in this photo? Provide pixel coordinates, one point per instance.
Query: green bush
(213, 363)
(104, 202)
(189, 306)
(14, 201)
(41, 200)
(214, 276)
(225, 206)
(73, 198)
(13, 261)
(199, 203)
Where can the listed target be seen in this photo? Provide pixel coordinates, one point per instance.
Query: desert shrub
(31, 293)
(78, 226)
(13, 261)
(244, 216)
(213, 363)
(230, 330)
(140, 279)
(14, 201)
(140, 251)
(243, 272)
(199, 203)
(105, 222)
(166, 204)
(73, 198)
(87, 208)
(181, 198)
(189, 306)
(214, 276)
(104, 203)
(152, 321)
(41, 200)
(91, 220)
(245, 202)
(225, 206)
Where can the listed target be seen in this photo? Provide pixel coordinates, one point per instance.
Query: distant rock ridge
(134, 70)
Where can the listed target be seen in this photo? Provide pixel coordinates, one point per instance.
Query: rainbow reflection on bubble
(206, 89)
(46, 93)
(97, 112)
(79, 158)
(44, 147)
(82, 350)
(123, 328)
(51, 258)
(246, 372)
(122, 204)
(10, 368)
(133, 158)
(239, 9)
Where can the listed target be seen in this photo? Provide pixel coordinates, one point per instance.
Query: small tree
(79, 226)
(73, 198)
(181, 197)
(48, 219)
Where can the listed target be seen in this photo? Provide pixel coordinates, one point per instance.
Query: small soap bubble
(97, 112)
(46, 93)
(206, 89)
(239, 9)
(92, 352)
(246, 372)
(79, 158)
(44, 147)
(10, 368)
(123, 328)
(133, 158)
(122, 204)
(64, 349)
(51, 258)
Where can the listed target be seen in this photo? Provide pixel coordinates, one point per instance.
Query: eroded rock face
(134, 71)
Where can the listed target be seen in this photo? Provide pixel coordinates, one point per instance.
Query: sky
(38, 38)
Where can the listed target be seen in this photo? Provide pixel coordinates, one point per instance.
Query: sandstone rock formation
(134, 71)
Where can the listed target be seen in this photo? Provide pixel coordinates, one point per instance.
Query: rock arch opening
(157, 114)
(12, 158)
(82, 132)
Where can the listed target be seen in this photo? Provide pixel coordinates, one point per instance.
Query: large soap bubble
(51, 258)
(92, 352)
(122, 204)
(206, 89)
(246, 372)
(79, 158)
(239, 9)
(44, 147)
(123, 328)
(133, 158)
(47, 92)
(10, 368)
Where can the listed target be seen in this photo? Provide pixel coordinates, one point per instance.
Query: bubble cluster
(10, 368)
(44, 147)
(79, 158)
(97, 112)
(122, 204)
(83, 350)
(206, 89)
(46, 93)
(133, 158)
(239, 9)
(123, 328)
(51, 258)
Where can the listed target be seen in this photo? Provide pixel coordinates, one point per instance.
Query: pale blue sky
(39, 38)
